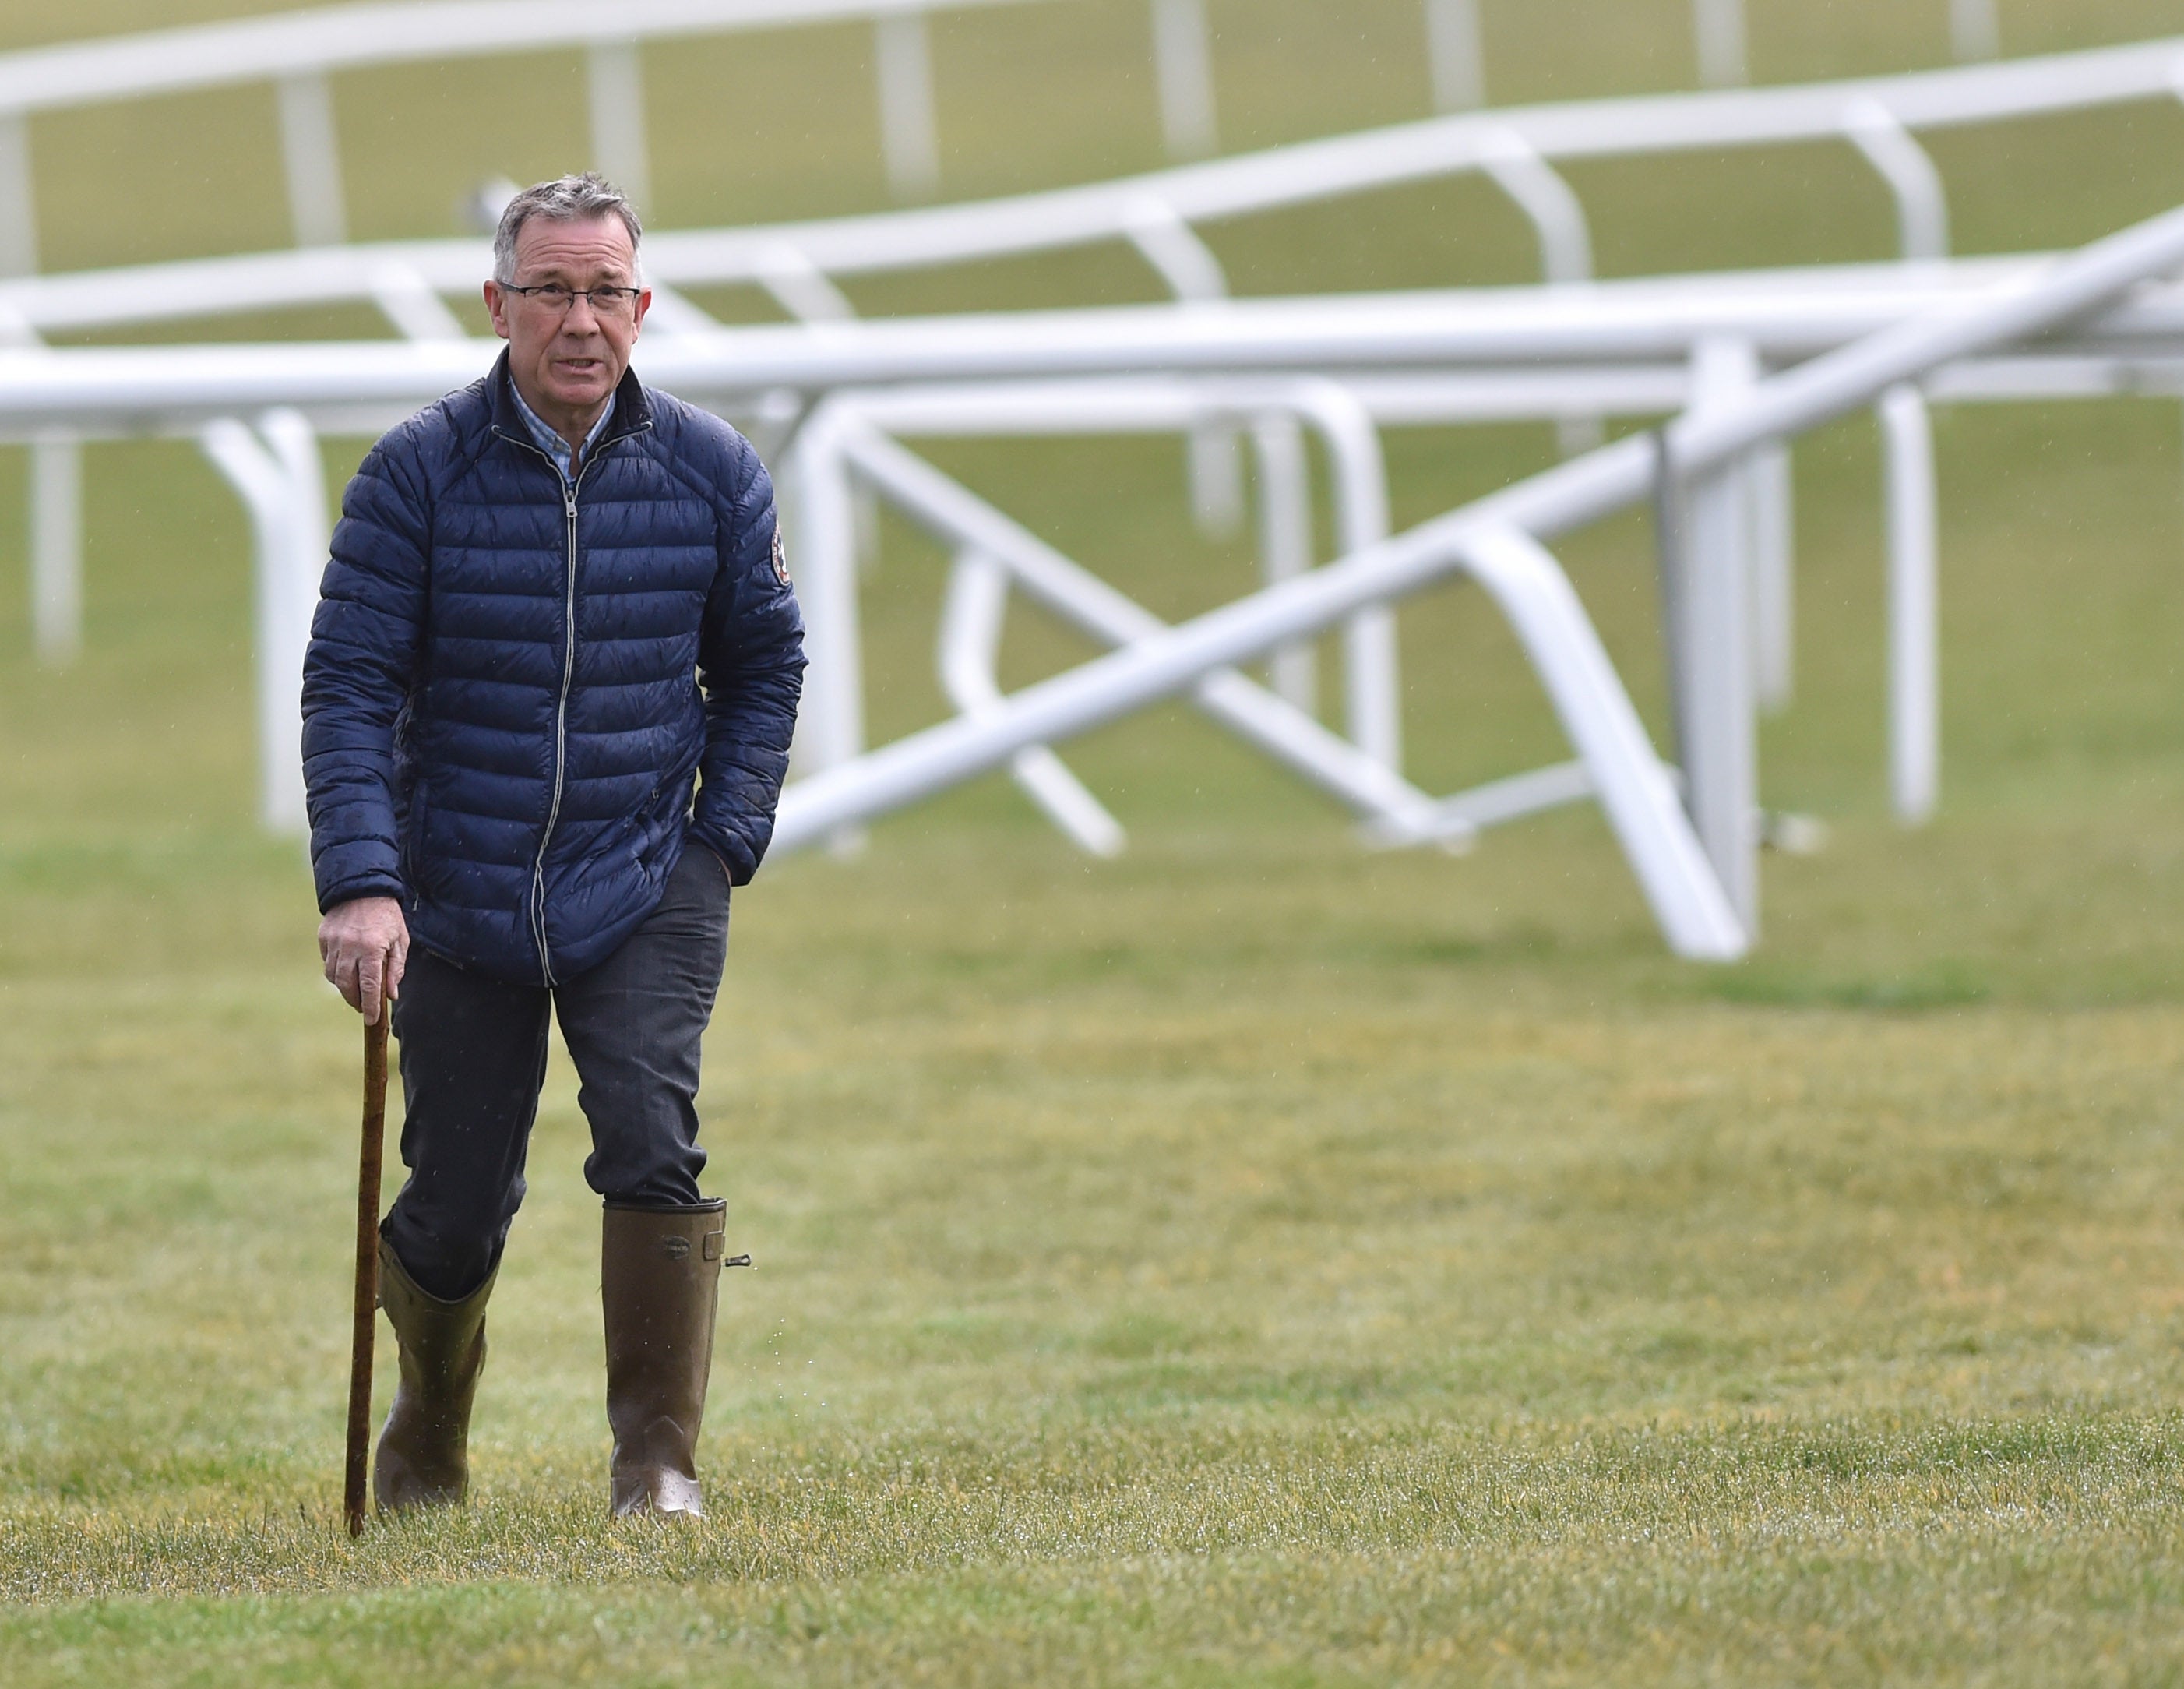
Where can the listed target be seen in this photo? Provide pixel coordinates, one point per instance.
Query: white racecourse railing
(1624, 348)
(299, 52)
(1363, 771)
(1876, 115)
(1347, 414)
(1523, 333)
(1704, 892)
(1414, 357)
(1155, 213)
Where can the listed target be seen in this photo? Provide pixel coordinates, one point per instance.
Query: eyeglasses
(607, 303)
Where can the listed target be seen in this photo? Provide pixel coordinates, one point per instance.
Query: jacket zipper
(560, 733)
(569, 491)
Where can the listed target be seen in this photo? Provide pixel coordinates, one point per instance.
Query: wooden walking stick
(367, 1265)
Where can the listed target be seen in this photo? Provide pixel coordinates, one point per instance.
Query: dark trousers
(473, 1054)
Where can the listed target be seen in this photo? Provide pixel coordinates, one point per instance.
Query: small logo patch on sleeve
(780, 557)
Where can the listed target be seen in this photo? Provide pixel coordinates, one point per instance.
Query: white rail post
(1548, 202)
(830, 730)
(1557, 217)
(310, 149)
(251, 471)
(295, 446)
(910, 135)
(1193, 272)
(1214, 465)
(1183, 67)
(1456, 51)
(294, 589)
(1719, 25)
(19, 198)
(1914, 690)
(1922, 202)
(281, 481)
(57, 547)
(1285, 545)
(1712, 646)
(1773, 574)
(1683, 888)
(615, 84)
(1974, 30)
(56, 508)
(809, 294)
(1372, 658)
(971, 624)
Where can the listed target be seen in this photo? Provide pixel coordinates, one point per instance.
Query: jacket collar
(631, 409)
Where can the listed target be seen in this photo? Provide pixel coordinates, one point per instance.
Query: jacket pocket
(410, 851)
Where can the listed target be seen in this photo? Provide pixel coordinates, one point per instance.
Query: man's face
(569, 362)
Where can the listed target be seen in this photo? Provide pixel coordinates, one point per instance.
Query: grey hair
(567, 199)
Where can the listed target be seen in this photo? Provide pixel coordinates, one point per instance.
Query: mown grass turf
(1251, 1262)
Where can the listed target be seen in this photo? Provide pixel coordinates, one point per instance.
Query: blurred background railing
(1344, 364)
(300, 52)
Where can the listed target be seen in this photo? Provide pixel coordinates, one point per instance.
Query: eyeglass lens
(603, 301)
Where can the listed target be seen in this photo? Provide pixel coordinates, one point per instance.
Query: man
(547, 710)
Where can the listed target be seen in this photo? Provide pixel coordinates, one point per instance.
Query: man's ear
(644, 304)
(496, 305)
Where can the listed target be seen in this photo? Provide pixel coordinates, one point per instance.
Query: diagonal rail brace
(1584, 490)
(1278, 728)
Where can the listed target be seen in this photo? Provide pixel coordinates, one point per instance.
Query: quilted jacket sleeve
(750, 665)
(362, 661)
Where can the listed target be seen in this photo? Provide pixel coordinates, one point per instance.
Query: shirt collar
(552, 444)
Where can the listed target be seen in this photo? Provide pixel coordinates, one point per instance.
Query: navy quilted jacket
(512, 692)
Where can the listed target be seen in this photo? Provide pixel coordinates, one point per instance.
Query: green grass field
(1252, 1262)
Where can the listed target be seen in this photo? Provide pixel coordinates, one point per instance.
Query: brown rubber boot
(424, 1459)
(659, 1282)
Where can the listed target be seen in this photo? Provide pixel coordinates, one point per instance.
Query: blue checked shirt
(552, 444)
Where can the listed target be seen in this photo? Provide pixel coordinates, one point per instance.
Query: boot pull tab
(717, 1241)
